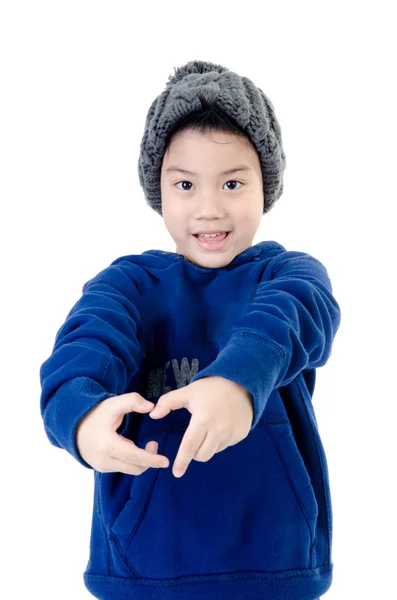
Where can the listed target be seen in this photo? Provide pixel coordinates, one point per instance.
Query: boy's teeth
(210, 234)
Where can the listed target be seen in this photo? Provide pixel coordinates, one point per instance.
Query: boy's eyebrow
(228, 172)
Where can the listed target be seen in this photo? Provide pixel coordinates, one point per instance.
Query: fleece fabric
(253, 522)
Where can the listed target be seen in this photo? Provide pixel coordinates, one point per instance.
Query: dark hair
(209, 117)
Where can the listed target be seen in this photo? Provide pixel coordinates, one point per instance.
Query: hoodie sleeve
(95, 354)
(289, 325)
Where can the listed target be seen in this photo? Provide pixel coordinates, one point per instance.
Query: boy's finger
(170, 401)
(152, 447)
(191, 442)
(126, 451)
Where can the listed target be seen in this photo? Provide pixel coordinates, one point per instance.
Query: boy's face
(208, 199)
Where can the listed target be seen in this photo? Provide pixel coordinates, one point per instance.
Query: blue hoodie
(253, 522)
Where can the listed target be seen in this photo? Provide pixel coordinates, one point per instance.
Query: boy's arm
(289, 325)
(96, 352)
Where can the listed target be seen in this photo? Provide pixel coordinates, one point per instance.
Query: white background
(77, 79)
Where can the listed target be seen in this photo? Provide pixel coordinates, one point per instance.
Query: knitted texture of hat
(236, 96)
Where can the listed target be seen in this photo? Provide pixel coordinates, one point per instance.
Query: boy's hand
(107, 451)
(222, 414)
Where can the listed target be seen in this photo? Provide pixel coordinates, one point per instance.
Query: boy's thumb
(141, 402)
(134, 402)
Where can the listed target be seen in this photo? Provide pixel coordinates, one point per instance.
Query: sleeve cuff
(68, 405)
(252, 361)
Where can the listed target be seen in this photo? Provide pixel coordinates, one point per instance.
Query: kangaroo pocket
(250, 507)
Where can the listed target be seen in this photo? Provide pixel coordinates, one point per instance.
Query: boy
(225, 338)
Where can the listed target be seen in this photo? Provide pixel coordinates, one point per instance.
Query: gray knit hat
(236, 96)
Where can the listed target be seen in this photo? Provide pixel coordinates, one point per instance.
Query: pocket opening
(296, 472)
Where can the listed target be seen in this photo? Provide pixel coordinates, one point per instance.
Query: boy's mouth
(212, 243)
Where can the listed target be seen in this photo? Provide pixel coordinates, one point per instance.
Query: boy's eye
(189, 183)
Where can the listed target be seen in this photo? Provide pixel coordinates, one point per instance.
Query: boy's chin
(210, 262)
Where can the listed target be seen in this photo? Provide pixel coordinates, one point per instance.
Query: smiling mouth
(212, 243)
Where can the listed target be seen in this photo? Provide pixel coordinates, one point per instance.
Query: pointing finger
(191, 442)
